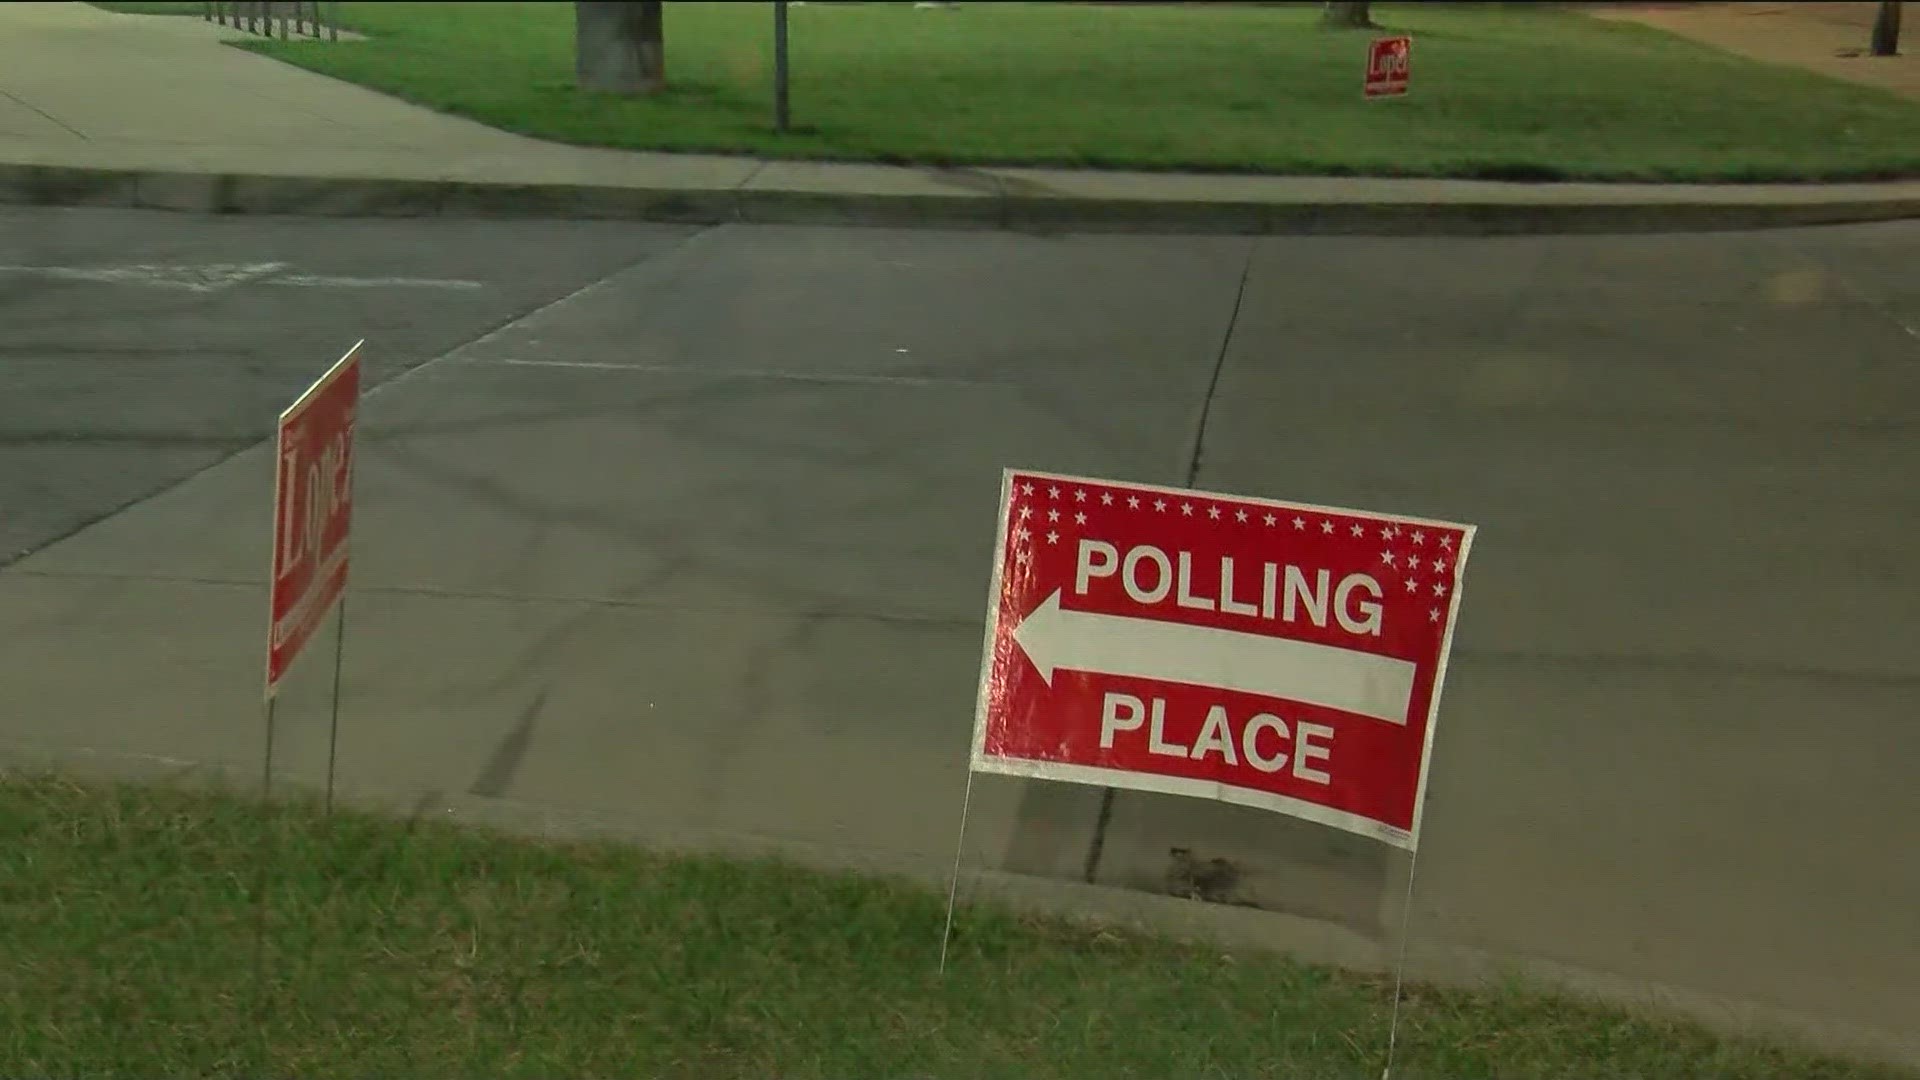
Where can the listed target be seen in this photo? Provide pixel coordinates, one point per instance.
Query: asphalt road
(130, 362)
(699, 552)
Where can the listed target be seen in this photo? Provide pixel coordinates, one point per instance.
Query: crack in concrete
(45, 115)
(495, 779)
(1097, 843)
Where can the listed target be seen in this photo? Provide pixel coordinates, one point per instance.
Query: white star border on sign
(1419, 577)
(1404, 561)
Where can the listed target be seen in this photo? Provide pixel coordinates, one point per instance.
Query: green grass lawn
(1498, 90)
(425, 950)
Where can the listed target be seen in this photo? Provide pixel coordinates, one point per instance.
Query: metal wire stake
(265, 857)
(953, 887)
(1400, 967)
(333, 729)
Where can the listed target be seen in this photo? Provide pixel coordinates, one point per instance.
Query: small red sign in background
(1389, 66)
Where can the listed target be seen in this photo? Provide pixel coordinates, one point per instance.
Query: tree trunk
(619, 48)
(1347, 15)
(1886, 29)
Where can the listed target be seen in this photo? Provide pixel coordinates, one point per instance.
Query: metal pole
(260, 873)
(953, 888)
(333, 731)
(1400, 966)
(781, 112)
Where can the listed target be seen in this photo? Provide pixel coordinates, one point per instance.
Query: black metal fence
(296, 19)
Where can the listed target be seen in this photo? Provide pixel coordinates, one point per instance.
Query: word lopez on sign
(322, 481)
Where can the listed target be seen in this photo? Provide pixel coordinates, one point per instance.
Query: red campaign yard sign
(1389, 66)
(1275, 655)
(312, 510)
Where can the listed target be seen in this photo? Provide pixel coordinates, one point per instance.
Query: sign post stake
(333, 727)
(953, 887)
(261, 879)
(1400, 965)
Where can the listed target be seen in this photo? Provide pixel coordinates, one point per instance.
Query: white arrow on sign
(1345, 679)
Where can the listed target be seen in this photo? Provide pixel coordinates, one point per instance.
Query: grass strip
(1500, 91)
(429, 949)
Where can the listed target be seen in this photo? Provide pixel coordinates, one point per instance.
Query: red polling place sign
(1274, 655)
(1389, 66)
(312, 510)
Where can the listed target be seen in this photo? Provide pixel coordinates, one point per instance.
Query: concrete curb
(234, 193)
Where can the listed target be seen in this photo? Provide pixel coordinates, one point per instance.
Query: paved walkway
(1830, 38)
(106, 109)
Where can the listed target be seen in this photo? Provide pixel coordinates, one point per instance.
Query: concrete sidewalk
(101, 109)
